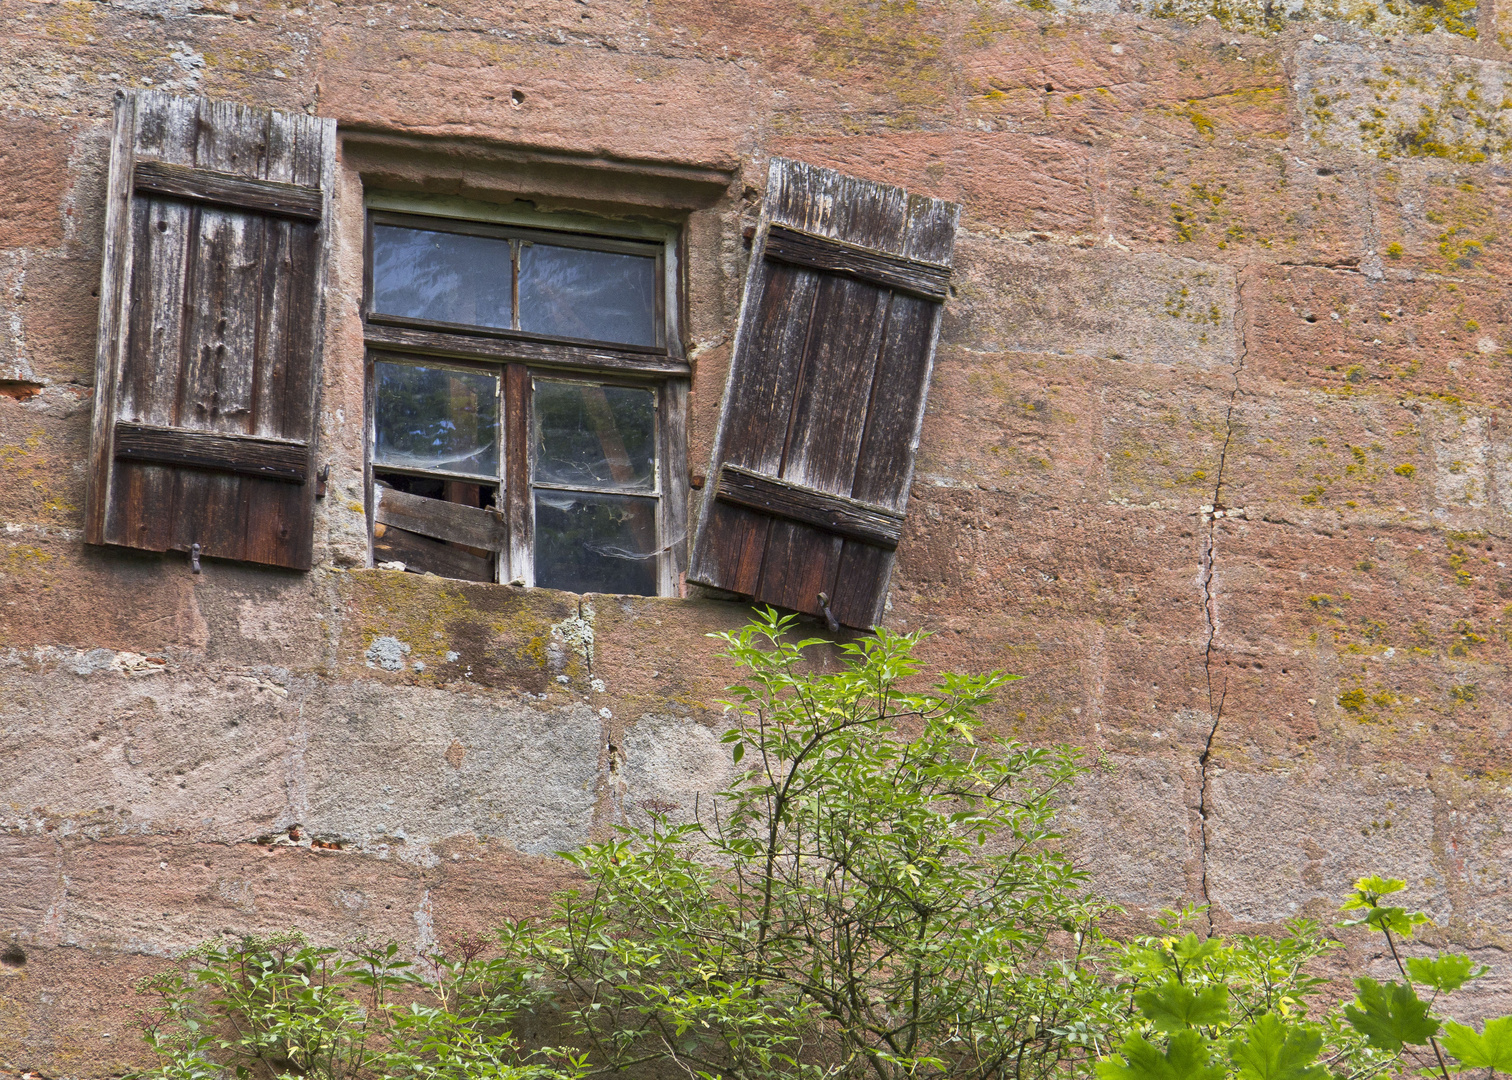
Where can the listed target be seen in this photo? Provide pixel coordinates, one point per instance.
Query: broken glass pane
(592, 295)
(442, 276)
(595, 543)
(436, 418)
(595, 436)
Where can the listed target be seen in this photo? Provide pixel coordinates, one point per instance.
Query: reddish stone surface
(1217, 457)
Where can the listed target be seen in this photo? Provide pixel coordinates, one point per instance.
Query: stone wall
(1217, 455)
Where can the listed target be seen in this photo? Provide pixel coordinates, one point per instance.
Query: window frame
(518, 357)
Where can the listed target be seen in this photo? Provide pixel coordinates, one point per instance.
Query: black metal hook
(829, 616)
(194, 550)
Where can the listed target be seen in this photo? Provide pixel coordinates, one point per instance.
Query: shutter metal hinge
(829, 616)
(320, 480)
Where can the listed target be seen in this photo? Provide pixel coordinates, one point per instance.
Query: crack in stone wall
(1209, 558)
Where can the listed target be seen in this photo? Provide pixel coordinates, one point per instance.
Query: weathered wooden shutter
(210, 329)
(815, 448)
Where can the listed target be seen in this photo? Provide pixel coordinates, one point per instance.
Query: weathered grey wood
(217, 332)
(247, 455)
(422, 554)
(519, 507)
(501, 347)
(439, 519)
(115, 274)
(836, 514)
(162, 237)
(674, 500)
(827, 384)
(865, 264)
(168, 180)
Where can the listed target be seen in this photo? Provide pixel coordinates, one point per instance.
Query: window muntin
(573, 460)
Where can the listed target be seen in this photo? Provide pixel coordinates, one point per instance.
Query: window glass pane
(437, 418)
(594, 295)
(595, 543)
(595, 436)
(444, 277)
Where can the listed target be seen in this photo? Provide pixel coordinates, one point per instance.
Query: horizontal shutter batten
(247, 455)
(441, 520)
(868, 264)
(836, 514)
(222, 189)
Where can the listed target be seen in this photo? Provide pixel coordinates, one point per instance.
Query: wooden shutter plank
(832, 513)
(878, 261)
(182, 182)
(876, 267)
(440, 520)
(222, 308)
(824, 433)
(274, 459)
(223, 333)
(162, 231)
(780, 314)
(885, 459)
(115, 279)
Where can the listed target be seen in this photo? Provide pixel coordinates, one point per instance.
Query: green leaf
(1369, 890)
(1186, 1059)
(1269, 1049)
(1492, 1050)
(1192, 950)
(1174, 1007)
(738, 752)
(1445, 973)
(1390, 1015)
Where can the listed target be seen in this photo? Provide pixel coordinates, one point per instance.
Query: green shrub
(879, 892)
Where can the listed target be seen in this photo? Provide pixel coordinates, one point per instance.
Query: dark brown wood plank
(168, 180)
(222, 308)
(865, 264)
(500, 347)
(245, 455)
(152, 355)
(832, 513)
(440, 519)
(885, 460)
(764, 370)
(422, 554)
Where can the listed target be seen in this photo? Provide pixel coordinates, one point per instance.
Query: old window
(526, 399)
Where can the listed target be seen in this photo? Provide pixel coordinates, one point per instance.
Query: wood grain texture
(115, 273)
(539, 353)
(827, 387)
(274, 459)
(865, 264)
(833, 513)
(440, 519)
(519, 507)
(218, 330)
(423, 554)
(168, 180)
